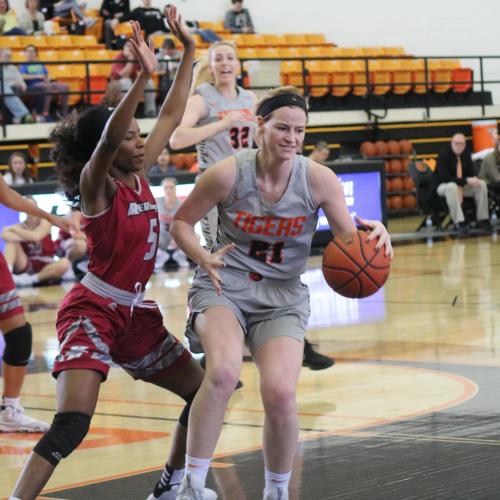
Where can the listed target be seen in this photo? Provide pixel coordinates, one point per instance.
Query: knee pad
(184, 416)
(18, 346)
(67, 431)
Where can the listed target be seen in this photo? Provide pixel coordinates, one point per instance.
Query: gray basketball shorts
(265, 309)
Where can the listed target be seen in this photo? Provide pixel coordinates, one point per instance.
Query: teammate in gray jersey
(248, 290)
(219, 117)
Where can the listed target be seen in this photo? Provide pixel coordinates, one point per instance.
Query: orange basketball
(177, 160)
(388, 185)
(353, 267)
(397, 203)
(387, 166)
(367, 149)
(393, 147)
(396, 184)
(396, 165)
(408, 184)
(388, 202)
(409, 201)
(405, 162)
(381, 148)
(405, 146)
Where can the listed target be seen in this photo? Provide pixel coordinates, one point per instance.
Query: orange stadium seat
(67, 73)
(291, 73)
(417, 67)
(38, 41)
(311, 52)
(402, 81)
(124, 29)
(287, 52)
(268, 53)
(249, 40)
(48, 55)
(275, 40)
(315, 39)
(330, 51)
(57, 41)
(441, 76)
(319, 74)
(84, 41)
(462, 79)
(247, 53)
(372, 51)
(393, 51)
(10, 41)
(359, 78)
(340, 78)
(380, 76)
(69, 55)
(295, 39)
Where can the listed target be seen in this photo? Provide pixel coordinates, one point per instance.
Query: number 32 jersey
(225, 143)
(273, 240)
(123, 239)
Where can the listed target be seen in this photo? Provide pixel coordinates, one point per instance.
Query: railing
(371, 99)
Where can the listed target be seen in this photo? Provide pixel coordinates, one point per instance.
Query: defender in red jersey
(101, 162)
(15, 329)
(30, 252)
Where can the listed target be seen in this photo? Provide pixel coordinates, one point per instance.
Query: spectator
(125, 71)
(207, 35)
(150, 19)
(168, 61)
(320, 153)
(30, 251)
(69, 11)
(238, 19)
(18, 171)
(37, 80)
(167, 206)
(32, 19)
(9, 24)
(163, 165)
(455, 178)
(113, 12)
(13, 82)
(490, 168)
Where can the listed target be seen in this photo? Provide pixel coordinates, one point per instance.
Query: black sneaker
(462, 229)
(313, 359)
(203, 364)
(484, 225)
(162, 491)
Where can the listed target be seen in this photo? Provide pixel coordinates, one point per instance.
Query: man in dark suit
(455, 178)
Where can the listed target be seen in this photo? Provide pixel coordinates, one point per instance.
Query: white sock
(274, 480)
(14, 402)
(197, 468)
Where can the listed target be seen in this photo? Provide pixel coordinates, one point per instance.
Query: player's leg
(77, 392)
(15, 256)
(279, 361)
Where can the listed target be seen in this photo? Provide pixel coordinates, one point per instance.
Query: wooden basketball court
(410, 410)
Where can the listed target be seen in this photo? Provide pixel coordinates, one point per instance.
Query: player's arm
(96, 187)
(173, 108)
(32, 235)
(15, 201)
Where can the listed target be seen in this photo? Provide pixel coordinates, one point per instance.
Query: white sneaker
(23, 279)
(180, 257)
(188, 492)
(276, 493)
(14, 420)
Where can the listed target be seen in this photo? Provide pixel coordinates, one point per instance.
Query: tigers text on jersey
(123, 239)
(273, 240)
(225, 143)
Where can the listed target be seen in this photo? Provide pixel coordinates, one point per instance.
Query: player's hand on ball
(377, 230)
(214, 262)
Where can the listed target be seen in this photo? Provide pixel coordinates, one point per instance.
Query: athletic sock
(197, 468)
(14, 402)
(274, 480)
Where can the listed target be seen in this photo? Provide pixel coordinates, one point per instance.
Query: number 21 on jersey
(267, 252)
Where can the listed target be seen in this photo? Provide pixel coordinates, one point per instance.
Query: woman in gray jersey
(219, 116)
(249, 290)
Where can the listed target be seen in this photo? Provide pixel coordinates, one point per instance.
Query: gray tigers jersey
(225, 143)
(273, 240)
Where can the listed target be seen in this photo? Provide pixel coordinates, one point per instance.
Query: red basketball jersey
(123, 239)
(43, 250)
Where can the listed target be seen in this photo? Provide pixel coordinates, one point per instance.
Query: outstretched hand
(178, 28)
(144, 53)
(214, 262)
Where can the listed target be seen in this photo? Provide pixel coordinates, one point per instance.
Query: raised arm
(96, 187)
(15, 201)
(173, 107)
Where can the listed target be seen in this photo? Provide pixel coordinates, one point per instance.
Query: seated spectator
(454, 179)
(168, 61)
(150, 19)
(113, 12)
(320, 153)
(490, 167)
(9, 24)
(32, 20)
(37, 80)
(30, 251)
(13, 83)
(163, 166)
(18, 172)
(72, 13)
(167, 206)
(207, 35)
(124, 71)
(238, 19)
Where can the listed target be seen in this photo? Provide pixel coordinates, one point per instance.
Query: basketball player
(219, 116)
(16, 331)
(248, 289)
(30, 252)
(219, 119)
(102, 163)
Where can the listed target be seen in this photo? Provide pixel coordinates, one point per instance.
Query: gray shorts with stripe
(265, 309)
